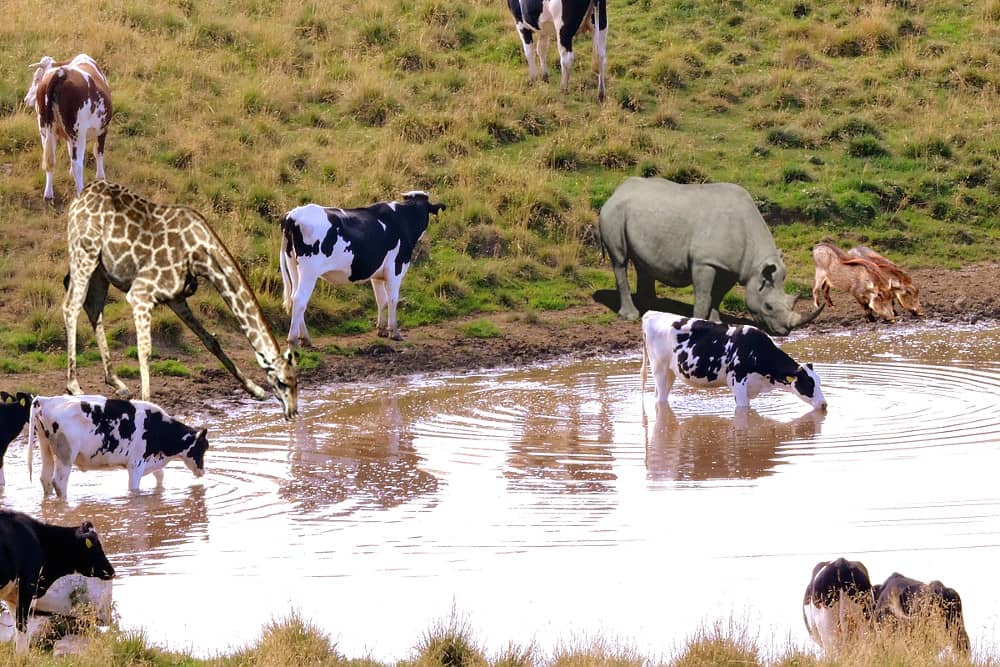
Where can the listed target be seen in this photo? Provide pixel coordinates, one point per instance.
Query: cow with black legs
(14, 410)
(567, 18)
(343, 245)
(34, 554)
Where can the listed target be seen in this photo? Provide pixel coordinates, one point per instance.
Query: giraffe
(156, 254)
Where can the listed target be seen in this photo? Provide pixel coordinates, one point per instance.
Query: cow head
(89, 559)
(41, 67)
(194, 458)
(421, 196)
(805, 385)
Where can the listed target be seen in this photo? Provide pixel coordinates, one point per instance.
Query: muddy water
(556, 503)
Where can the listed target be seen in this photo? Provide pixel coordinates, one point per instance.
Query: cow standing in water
(72, 100)
(709, 354)
(350, 245)
(567, 17)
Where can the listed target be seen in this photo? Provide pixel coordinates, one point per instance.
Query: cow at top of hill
(567, 18)
(72, 101)
(350, 245)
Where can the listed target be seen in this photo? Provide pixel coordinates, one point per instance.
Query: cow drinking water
(350, 245)
(72, 100)
(97, 432)
(33, 555)
(709, 354)
(839, 603)
(14, 410)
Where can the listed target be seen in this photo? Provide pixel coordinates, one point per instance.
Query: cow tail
(31, 436)
(50, 119)
(287, 288)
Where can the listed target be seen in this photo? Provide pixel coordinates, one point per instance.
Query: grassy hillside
(869, 122)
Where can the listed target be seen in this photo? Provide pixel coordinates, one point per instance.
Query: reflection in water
(565, 444)
(703, 447)
(141, 529)
(372, 464)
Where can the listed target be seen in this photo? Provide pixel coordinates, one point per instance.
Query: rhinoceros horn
(798, 319)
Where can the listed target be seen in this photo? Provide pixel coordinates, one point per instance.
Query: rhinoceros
(708, 235)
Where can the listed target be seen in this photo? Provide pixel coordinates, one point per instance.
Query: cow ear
(809, 365)
(203, 435)
(435, 208)
(5, 397)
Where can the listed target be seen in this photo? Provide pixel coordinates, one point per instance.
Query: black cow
(566, 17)
(904, 601)
(350, 245)
(839, 603)
(33, 555)
(14, 410)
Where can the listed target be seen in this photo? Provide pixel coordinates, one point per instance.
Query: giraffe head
(281, 377)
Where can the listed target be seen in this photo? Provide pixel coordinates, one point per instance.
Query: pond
(556, 503)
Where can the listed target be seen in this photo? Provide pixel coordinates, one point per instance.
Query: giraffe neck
(226, 276)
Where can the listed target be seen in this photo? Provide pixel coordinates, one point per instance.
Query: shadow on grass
(609, 299)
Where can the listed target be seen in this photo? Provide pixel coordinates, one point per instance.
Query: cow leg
(158, 475)
(664, 382)
(97, 293)
(25, 593)
(382, 304)
(77, 288)
(180, 306)
(77, 151)
(298, 334)
(392, 292)
(541, 51)
(48, 159)
(527, 43)
(99, 153)
(565, 40)
(48, 465)
(740, 392)
(600, 16)
(135, 471)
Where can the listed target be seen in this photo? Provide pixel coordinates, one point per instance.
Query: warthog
(902, 286)
(861, 278)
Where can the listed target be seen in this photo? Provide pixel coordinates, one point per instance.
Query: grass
(244, 114)
(293, 640)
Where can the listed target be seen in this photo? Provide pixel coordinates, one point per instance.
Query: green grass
(245, 110)
(480, 329)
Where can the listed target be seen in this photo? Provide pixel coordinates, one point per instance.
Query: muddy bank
(964, 295)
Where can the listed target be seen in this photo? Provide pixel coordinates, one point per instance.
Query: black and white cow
(531, 17)
(350, 245)
(902, 601)
(33, 555)
(839, 603)
(14, 409)
(97, 432)
(709, 354)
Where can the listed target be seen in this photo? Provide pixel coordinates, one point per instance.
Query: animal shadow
(706, 447)
(611, 300)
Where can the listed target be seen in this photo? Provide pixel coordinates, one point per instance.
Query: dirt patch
(963, 295)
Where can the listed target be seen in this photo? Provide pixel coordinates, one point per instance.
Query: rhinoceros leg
(645, 287)
(710, 285)
(627, 310)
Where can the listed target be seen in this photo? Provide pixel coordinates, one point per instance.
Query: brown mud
(966, 295)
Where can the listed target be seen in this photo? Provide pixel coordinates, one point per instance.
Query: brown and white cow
(73, 102)
(567, 17)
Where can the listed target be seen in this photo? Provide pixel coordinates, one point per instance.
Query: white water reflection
(555, 502)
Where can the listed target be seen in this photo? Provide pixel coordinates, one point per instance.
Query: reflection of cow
(838, 604)
(709, 354)
(703, 447)
(907, 603)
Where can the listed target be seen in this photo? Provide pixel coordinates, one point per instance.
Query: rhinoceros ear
(767, 273)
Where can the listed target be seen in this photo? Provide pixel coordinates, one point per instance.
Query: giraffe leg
(97, 293)
(142, 312)
(80, 271)
(180, 306)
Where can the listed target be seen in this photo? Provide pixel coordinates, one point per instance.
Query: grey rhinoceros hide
(707, 235)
